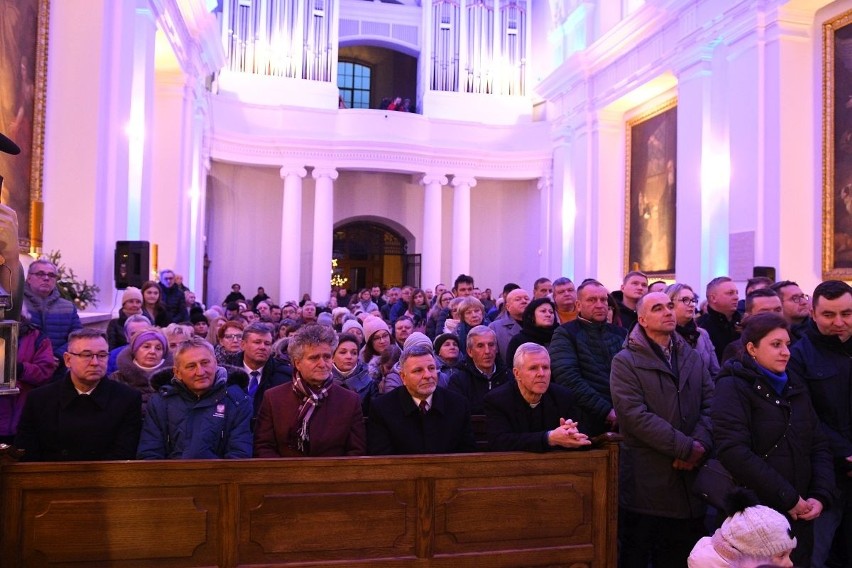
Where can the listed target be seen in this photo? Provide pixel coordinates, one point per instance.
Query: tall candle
(155, 254)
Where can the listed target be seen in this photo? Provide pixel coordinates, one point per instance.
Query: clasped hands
(567, 435)
(806, 509)
(696, 454)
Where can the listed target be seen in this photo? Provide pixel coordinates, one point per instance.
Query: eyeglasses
(40, 274)
(799, 298)
(232, 336)
(87, 356)
(688, 301)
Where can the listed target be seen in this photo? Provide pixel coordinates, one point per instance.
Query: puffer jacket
(661, 410)
(54, 315)
(359, 381)
(754, 442)
(581, 355)
(181, 425)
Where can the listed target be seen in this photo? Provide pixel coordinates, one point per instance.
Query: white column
(430, 263)
(323, 233)
(291, 233)
(703, 180)
(461, 224)
(545, 194)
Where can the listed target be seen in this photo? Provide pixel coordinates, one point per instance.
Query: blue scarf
(777, 382)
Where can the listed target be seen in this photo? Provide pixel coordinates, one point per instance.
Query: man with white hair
(531, 413)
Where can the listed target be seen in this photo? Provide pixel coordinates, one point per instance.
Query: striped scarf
(310, 401)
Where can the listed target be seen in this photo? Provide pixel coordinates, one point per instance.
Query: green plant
(69, 286)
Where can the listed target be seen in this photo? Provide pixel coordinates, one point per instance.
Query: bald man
(661, 392)
(508, 325)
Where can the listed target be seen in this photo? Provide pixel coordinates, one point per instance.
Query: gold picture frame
(23, 84)
(837, 149)
(650, 195)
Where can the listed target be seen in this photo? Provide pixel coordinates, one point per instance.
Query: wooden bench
(493, 509)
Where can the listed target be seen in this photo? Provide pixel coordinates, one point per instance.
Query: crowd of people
(763, 387)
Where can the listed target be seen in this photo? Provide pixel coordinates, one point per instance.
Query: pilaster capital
(288, 170)
(544, 182)
(320, 172)
(431, 178)
(460, 180)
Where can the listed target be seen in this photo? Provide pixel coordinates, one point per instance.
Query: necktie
(424, 407)
(253, 382)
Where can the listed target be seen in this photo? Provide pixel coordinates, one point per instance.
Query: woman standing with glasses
(228, 350)
(686, 302)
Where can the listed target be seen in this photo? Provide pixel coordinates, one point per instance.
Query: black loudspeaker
(131, 263)
(768, 271)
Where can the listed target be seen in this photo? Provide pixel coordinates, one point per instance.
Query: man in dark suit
(263, 368)
(530, 413)
(418, 417)
(83, 416)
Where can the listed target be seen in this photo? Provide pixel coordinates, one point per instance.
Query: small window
(353, 82)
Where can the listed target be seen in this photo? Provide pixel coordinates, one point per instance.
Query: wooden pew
(495, 509)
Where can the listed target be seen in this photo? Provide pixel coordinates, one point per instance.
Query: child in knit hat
(753, 535)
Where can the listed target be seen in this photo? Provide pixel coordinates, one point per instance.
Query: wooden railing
(494, 509)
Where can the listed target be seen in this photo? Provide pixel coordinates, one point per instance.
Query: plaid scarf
(310, 401)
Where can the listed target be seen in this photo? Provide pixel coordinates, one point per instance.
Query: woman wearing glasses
(686, 302)
(228, 351)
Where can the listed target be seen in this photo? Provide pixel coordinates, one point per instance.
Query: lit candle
(155, 252)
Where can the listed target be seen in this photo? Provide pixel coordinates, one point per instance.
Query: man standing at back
(83, 416)
(565, 298)
(823, 357)
(661, 391)
(173, 297)
(633, 287)
(54, 315)
(796, 307)
(722, 320)
(581, 354)
(508, 325)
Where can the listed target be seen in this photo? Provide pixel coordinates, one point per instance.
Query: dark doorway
(369, 253)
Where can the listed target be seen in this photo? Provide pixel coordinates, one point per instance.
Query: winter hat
(754, 530)
(441, 339)
(416, 338)
(144, 335)
(351, 324)
(324, 319)
(339, 312)
(372, 324)
(131, 293)
(198, 318)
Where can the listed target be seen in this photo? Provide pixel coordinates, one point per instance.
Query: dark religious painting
(837, 148)
(650, 191)
(23, 71)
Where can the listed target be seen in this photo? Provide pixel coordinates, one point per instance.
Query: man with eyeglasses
(796, 307)
(173, 297)
(823, 356)
(54, 315)
(84, 416)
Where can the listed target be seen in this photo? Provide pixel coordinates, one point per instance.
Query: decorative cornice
(382, 157)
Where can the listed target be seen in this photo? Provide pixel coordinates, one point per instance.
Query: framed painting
(23, 78)
(837, 148)
(650, 192)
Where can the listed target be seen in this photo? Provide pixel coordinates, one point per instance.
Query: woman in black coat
(537, 326)
(767, 433)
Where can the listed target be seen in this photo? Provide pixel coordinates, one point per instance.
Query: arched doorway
(369, 253)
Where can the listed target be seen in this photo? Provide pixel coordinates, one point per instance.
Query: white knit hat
(756, 531)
